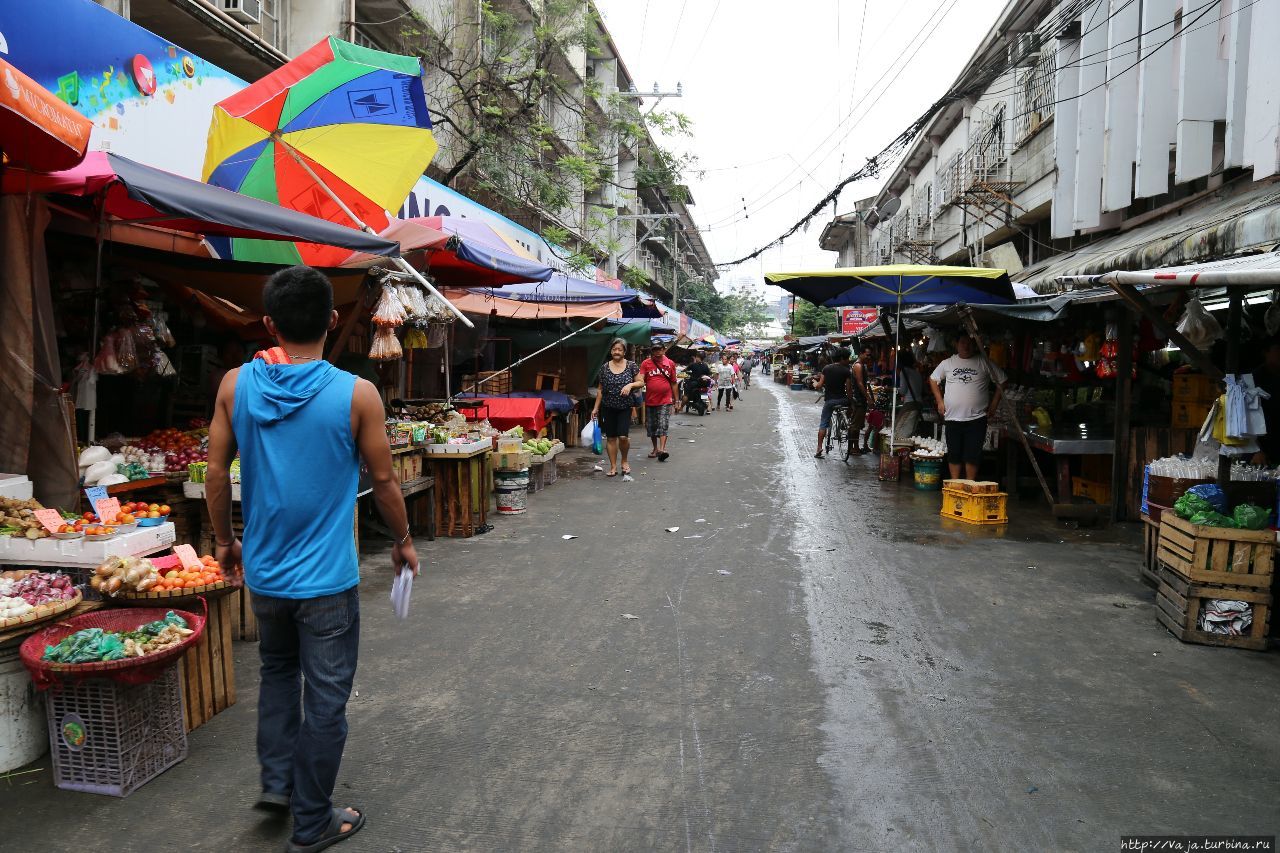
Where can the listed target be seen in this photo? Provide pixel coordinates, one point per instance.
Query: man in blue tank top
(302, 428)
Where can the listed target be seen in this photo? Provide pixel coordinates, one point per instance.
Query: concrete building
(1087, 135)
(250, 38)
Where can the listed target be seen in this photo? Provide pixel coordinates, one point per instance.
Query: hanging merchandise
(126, 352)
(390, 309)
(386, 347)
(437, 334)
(1198, 326)
(415, 338)
(1271, 320)
(163, 336)
(936, 341)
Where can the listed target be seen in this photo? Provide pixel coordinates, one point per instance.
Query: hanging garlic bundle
(415, 302)
(386, 347)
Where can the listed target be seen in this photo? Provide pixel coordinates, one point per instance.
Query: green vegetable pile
(90, 645)
(537, 446)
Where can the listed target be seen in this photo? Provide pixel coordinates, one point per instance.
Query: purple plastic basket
(111, 738)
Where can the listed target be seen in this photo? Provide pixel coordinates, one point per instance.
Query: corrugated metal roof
(1220, 228)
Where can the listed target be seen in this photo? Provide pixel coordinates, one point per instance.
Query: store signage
(167, 562)
(95, 494)
(855, 321)
(187, 555)
(108, 509)
(50, 518)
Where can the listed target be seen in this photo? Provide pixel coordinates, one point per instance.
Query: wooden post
(1124, 406)
(1235, 313)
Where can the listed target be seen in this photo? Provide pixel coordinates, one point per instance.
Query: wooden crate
(1178, 603)
(1216, 555)
(975, 508)
(1189, 414)
(1150, 569)
(1194, 387)
(207, 669)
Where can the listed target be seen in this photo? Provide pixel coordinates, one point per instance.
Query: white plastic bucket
(512, 489)
(24, 735)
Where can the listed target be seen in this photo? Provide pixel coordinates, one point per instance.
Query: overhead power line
(871, 168)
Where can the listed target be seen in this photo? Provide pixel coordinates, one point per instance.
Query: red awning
(37, 130)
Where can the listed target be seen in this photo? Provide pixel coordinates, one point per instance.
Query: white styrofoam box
(20, 551)
(195, 491)
(15, 486)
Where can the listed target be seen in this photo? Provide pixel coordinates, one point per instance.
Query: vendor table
(1066, 443)
(530, 413)
(461, 491)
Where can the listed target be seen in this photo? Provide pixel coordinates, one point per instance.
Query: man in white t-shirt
(969, 400)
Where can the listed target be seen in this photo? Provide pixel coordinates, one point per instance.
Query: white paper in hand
(401, 588)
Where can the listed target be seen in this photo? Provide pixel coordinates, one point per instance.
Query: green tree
(746, 314)
(521, 130)
(810, 319)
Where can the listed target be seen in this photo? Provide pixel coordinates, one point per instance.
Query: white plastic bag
(1198, 325)
(588, 434)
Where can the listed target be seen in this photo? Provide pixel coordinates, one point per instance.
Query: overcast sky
(787, 98)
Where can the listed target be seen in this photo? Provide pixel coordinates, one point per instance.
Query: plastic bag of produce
(1251, 517)
(126, 352)
(385, 346)
(1213, 519)
(588, 436)
(111, 647)
(106, 362)
(1213, 493)
(1198, 325)
(1190, 504)
(390, 308)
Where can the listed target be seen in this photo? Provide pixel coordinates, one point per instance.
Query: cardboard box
(511, 461)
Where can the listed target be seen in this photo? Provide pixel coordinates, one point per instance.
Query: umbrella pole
(404, 265)
(893, 399)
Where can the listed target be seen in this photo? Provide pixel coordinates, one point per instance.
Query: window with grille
(273, 25)
(1035, 95)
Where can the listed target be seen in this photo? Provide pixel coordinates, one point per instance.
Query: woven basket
(172, 597)
(128, 670)
(40, 613)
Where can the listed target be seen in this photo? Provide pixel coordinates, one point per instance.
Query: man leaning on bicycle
(836, 384)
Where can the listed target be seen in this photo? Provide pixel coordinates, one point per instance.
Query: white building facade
(1093, 134)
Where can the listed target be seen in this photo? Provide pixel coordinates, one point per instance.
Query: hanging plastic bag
(385, 347)
(390, 309)
(1198, 326)
(105, 362)
(597, 438)
(588, 436)
(126, 352)
(163, 336)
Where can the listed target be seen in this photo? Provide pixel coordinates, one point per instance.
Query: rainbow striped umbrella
(341, 132)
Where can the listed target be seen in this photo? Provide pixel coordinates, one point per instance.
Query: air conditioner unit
(244, 11)
(1024, 49)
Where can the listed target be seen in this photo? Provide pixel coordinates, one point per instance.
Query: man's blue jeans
(301, 732)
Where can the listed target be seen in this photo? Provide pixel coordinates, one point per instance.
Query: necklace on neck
(303, 357)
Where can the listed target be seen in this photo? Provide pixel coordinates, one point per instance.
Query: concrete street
(817, 662)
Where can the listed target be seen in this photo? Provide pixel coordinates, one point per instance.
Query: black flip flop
(269, 801)
(663, 456)
(333, 834)
(612, 474)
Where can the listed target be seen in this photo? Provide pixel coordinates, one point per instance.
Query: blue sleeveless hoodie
(299, 470)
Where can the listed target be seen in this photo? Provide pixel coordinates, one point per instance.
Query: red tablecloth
(527, 412)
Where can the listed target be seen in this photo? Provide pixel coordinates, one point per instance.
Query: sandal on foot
(817, 455)
(626, 472)
(663, 456)
(333, 834)
(270, 801)
(612, 474)
(651, 455)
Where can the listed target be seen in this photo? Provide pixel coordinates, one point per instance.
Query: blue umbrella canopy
(897, 284)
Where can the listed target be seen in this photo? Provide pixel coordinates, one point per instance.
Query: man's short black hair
(299, 300)
(842, 354)
(697, 353)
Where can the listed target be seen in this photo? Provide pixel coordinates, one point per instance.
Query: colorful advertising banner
(149, 100)
(855, 321)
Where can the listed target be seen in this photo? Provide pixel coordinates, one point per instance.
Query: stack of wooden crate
(1193, 396)
(1198, 564)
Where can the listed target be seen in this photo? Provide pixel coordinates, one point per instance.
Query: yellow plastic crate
(1099, 493)
(989, 508)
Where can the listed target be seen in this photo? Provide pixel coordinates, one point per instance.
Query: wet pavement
(813, 661)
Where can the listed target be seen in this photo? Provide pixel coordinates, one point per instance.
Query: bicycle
(838, 434)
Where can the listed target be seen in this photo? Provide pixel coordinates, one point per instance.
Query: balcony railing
(1035, 96)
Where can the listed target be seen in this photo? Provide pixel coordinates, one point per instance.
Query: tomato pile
(180, 449)
(209, 572)
(142, 509)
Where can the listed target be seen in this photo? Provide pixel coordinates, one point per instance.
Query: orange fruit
(164, 509)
